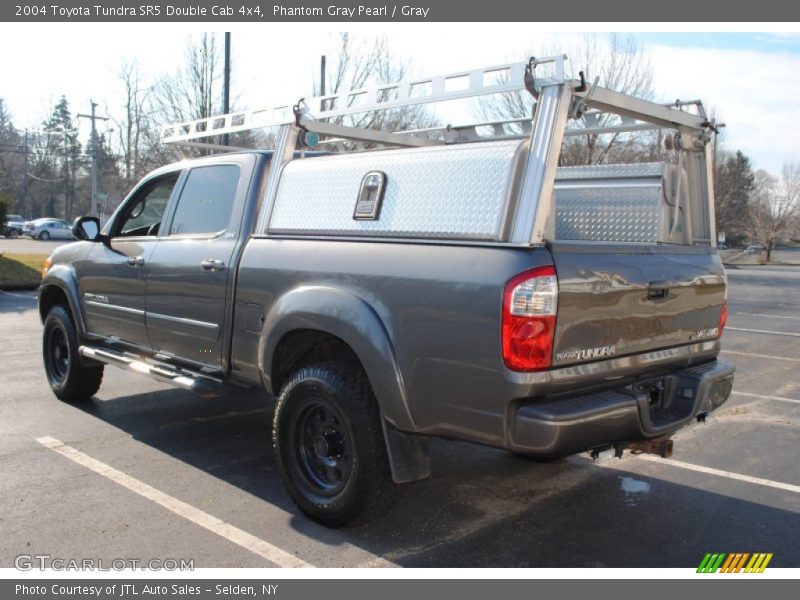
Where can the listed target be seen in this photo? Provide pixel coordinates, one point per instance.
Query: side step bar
(194, 382)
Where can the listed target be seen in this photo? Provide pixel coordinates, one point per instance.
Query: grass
(20, 271)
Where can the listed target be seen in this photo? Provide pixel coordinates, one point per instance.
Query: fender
(351, 319)
(62, 276)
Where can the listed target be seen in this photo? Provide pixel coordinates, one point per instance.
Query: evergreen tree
(734, 183)
(63, 145)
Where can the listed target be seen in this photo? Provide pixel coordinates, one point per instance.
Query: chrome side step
(194, 382)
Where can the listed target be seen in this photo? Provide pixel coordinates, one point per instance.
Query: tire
(70, 380)
(329, 445)
(14, 234)
(44, 236)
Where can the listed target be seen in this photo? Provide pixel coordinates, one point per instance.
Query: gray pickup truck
(436, 284)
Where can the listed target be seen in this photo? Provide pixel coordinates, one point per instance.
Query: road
(26, 245)
(146, 472)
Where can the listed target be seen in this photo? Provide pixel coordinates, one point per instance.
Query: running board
(187, 380)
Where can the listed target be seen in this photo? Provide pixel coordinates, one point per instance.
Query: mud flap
(409, 454)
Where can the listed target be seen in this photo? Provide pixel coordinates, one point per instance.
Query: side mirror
(86, 228)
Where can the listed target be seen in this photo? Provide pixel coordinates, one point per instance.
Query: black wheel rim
(321, 446)
(57, 354)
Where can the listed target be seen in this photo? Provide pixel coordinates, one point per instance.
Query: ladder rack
(559, 101)
(496, 79)
(315, 113)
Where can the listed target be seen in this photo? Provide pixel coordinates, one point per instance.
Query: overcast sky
(750, 79)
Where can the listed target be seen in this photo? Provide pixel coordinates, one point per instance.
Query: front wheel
(69, 379)
(44, 236)
(14, 234)
(329, 444)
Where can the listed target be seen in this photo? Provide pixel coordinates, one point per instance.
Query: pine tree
(734, 183)
(63, 145)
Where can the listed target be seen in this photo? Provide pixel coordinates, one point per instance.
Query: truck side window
(143, 216)
(206, 202)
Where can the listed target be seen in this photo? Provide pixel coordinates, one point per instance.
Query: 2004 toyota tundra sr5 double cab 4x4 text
(436, 283)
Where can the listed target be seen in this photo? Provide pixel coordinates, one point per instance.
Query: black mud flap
(409, 454)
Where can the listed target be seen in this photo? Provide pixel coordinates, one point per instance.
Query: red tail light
(723, 316)
(530, 301)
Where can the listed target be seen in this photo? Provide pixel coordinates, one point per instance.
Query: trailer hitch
(662, 446)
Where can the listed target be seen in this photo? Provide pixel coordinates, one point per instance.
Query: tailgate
(616, 300)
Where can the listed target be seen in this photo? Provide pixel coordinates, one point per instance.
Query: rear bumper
(648, 409)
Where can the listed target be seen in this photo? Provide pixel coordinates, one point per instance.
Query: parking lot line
(788, 487)
(225, 530)
(762, 397)
(749, 314)
(770, 356)
(762, 331)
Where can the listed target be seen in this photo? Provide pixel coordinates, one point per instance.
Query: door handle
(136, 261)
(212, 264)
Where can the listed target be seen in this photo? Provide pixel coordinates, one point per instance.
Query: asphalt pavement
(145, 471)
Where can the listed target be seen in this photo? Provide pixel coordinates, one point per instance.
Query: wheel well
(304, 347)
(51, 296)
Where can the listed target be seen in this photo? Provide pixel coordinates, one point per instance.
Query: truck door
(189, 274)
(113, 278)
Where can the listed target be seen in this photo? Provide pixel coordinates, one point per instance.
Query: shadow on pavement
(482, 507)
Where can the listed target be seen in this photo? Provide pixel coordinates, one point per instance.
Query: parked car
(48, 228)
(722, 246)
(473, 291)
(13, 226)
(754, 249)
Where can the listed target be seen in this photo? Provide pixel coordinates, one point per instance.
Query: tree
(62, 145)
(364, 62)
(134, 127)
(619, 63)
(775, 203)
(11, 156)
(734, 184)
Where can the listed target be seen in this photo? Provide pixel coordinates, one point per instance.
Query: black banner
(259, 11)
(386, 589)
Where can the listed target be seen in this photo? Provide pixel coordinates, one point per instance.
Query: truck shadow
(482, 507)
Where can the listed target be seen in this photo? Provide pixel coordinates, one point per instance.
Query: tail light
(530, 301)
(723, 317)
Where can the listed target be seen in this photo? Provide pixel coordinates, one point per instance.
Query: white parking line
(763, 331)
(762, 397)
(766, 315)
(770, 356)
(233, 534)
(788, 487)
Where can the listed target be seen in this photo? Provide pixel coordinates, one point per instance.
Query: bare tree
(774, 205)
(134, 127)
(618, 63)
(361, 63)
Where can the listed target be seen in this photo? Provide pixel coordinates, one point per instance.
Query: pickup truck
(472, 291)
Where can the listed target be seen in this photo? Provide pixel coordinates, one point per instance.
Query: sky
(749, 79)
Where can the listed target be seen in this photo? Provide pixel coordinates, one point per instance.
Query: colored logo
(744, 562)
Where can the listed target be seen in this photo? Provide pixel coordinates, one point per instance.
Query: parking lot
(146, 471)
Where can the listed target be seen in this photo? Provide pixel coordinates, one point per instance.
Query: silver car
(47, 228)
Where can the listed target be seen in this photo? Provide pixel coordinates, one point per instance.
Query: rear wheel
(14, 234)
(329, 444)
(44, 236)
(70, 380)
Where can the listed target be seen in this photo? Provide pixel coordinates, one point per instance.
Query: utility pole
(322, 75)
(94, 118)
(25, 169)
(226, 88)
